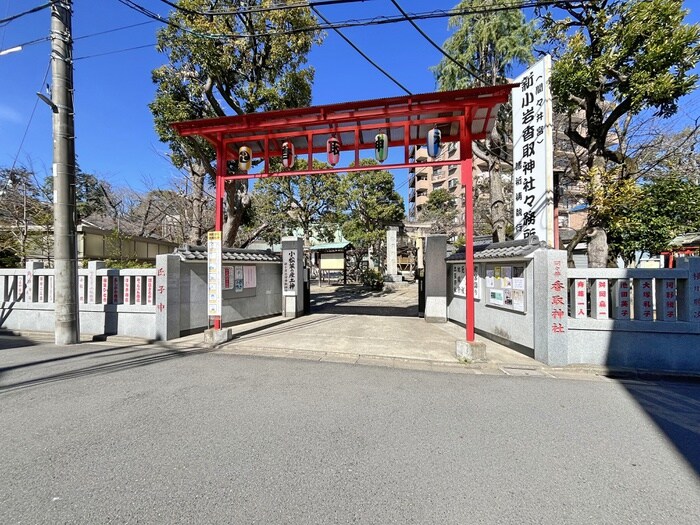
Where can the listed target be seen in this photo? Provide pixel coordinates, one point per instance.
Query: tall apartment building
(425, 179)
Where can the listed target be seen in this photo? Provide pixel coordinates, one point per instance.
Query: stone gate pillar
(436, 279)
(292, 276)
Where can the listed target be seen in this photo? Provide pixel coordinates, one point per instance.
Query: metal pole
(65, 247)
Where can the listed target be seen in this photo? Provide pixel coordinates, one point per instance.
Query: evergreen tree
(486, 46)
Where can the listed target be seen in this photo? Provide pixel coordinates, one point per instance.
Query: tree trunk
(196, 227)
(237, 200)
(598, 239)
(497, 200)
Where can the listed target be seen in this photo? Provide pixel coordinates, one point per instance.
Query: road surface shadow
(358, 300)
(674, 406)
(145, 357)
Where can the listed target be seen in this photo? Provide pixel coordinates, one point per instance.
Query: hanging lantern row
(381, 150)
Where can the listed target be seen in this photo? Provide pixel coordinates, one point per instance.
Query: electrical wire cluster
(328, 25)
(7, 20)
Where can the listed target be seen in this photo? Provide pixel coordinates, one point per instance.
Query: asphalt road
(151, 435)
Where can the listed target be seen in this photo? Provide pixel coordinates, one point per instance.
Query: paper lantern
(434, 137)
(333, 150)
(381, 146)
(245, 157)
(287, 154)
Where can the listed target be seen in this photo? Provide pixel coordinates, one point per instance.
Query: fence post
(551, 304)
(93, 266)
(689, 292)
(29, 280)
(167, 297)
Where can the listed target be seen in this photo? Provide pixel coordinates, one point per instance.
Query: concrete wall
(160, 303)
(506, 326)
(263, 300)
(607, 328)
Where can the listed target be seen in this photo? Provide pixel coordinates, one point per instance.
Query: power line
(106, 31)
(9, 19)
(379, 20)
(259, 9)
(31, 117)
(116, 51)
(90, 35)
(318, 13)
(464, 67)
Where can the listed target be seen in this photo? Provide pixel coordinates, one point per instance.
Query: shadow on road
(8, 341)
(674, 406)
(141, 357)
(358, 300)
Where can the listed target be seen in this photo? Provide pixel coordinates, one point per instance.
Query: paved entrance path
(352, 324)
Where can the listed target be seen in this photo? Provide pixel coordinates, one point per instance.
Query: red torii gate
(461, 116)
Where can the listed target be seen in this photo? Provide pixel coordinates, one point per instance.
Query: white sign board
(533, 186)
(289, 272)
(214, 274)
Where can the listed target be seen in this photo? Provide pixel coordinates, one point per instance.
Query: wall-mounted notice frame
(459, 281)
(506, 286)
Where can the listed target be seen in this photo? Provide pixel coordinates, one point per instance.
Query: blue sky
(114, 129)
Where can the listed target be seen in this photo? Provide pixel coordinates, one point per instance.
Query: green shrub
(373, 279)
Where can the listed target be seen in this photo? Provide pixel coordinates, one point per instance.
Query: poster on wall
(518, 298)
(477, 288)
(249, 277)
(238, 278)
(497, 297)
(490, 281)
(459, 280)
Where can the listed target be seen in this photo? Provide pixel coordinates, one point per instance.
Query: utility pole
(65, 246)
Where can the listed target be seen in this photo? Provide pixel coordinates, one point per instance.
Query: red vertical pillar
(220, 174)
(219, 205)
(465, 153)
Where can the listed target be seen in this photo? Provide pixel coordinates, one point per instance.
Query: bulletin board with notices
(459, 281)
(505, 286)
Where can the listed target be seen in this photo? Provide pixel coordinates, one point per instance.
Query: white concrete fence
(625, 318)
(157, 304)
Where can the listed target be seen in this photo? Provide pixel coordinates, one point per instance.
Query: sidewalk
(351, 325)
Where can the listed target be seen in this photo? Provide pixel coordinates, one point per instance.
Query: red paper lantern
(333, 150)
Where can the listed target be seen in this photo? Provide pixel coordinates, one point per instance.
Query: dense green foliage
(370, 203)
(644, 218)
(235, 63)
(307, 204)
(442, 211)
(614, 60)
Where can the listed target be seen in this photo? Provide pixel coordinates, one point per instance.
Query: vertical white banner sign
(214, 274)
(533, 186)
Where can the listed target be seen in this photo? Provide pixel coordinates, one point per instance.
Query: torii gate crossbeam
(461, 116)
